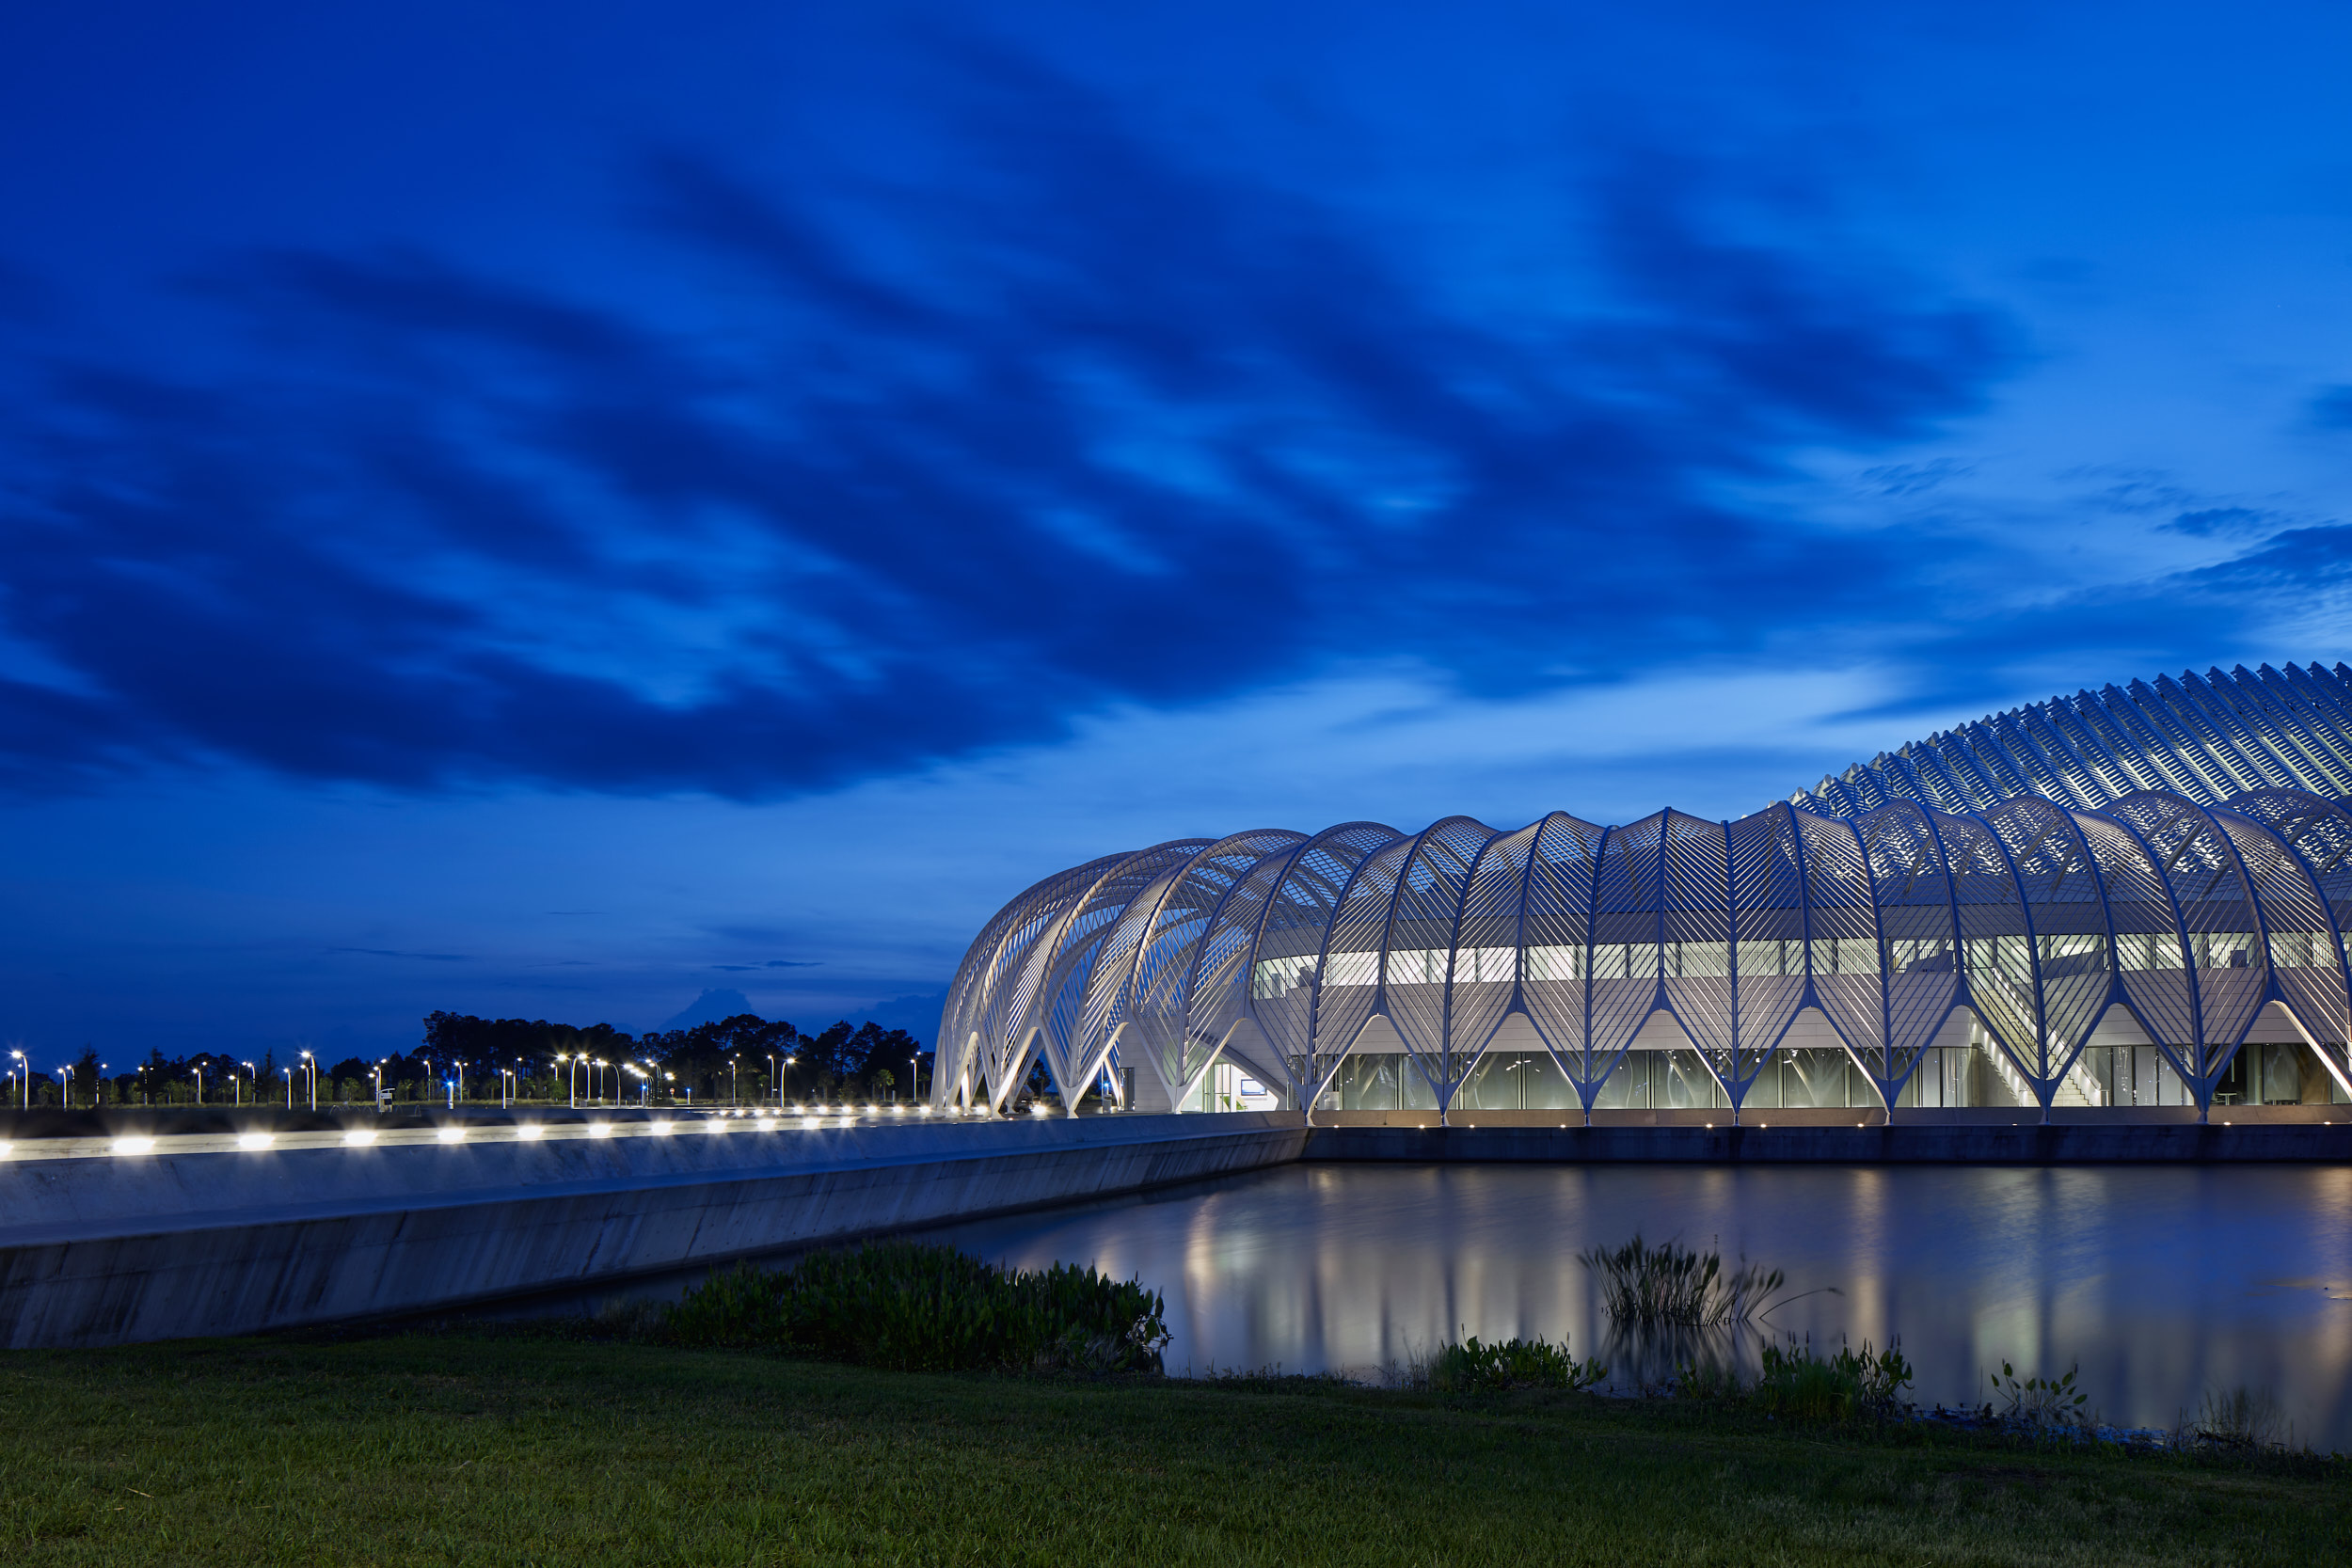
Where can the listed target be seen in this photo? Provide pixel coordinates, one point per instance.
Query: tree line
(742, 1059)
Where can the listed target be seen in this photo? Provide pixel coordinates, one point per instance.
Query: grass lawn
(456, 1449)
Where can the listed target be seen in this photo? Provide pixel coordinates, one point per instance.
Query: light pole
(239, 1090)
(65, 1087)
(26, 1073)
(378, 1072)
(289, 1072)
(733, 1085)
(198, 1075)
(310, 1076)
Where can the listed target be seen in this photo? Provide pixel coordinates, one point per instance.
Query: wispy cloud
(1128, 431)
(396, 953)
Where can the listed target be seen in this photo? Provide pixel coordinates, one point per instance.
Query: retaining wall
(184, 1241)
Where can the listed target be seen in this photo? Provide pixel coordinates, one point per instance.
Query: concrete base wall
(96, 1252)
(2057, 1143)
(1981, 1115)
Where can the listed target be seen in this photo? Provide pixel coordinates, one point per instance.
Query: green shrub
(1669, 1284)
(916, 1308)
(1471, 1366)
(1802, 1387)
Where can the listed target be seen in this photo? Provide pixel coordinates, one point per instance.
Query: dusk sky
(548, 510)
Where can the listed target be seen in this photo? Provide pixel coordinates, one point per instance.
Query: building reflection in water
(2160, 1283)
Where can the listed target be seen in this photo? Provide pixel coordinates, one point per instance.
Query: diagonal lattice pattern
(2180, 851)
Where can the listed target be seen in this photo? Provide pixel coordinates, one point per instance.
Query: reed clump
(1797, 1384)
(911, 1307)
(2244, 1419)
(1471, 1365)
(1670, 1285)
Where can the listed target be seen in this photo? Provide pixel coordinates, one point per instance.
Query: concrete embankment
(200, 1236)
(1903, 1144)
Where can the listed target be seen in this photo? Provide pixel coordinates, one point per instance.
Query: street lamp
(198, 1075)
(65, 1087)
(238, 1084)
(310, 1073)
(378, 1072)
(289, 1072)
(27, 1074)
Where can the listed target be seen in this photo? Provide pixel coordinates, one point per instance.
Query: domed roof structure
(2156, 866)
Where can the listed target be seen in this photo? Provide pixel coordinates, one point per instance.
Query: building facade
(2134, 898)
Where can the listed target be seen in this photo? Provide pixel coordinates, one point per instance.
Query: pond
(2159, 1284)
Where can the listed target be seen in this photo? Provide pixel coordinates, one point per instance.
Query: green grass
(466, 1448)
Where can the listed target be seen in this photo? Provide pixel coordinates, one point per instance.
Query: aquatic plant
(2242, 1418)
(1797, 1384)
(1671, 1283)
(917, 1307)
(2040, 1401)
(1470, 1365)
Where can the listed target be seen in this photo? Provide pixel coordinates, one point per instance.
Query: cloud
(2219, 519)
(1086, 426)
(395, 953)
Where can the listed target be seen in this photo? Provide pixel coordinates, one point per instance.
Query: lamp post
(198, 1075)
(311, 1075)
(289, 1072)
(26, 1073)
(378, 1072)
(239, 1090)
(65, 1087)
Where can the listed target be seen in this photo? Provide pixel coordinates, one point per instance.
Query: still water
(2159, 1284)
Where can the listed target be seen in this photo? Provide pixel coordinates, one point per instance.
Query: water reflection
(2160, 1283)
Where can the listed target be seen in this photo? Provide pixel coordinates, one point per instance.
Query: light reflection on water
(2160, 1283)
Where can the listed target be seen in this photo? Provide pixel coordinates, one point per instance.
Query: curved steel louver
(2191, 909)
(2205, 739)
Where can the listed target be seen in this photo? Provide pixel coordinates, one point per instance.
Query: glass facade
(2178, 855)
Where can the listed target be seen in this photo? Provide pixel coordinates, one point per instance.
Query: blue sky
(547, 510)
